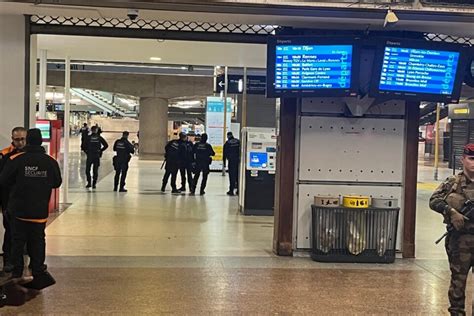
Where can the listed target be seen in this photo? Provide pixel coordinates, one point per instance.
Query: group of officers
(193, 159)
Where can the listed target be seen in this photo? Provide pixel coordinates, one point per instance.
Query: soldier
(203, 152)
(232, 154)
(93, 146)
(448, 199)
(124, 149)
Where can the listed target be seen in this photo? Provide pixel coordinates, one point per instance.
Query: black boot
(122, 189)
(88, 185)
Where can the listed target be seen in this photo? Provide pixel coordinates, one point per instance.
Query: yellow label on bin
(352, 201)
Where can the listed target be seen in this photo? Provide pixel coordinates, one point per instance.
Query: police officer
(84, 133)
(32, 175)
(124, 150)
(17, 145)
(202, 153)
(448, 199)
(173, 159)
(232, 155)
(94, 146)
(186, 167)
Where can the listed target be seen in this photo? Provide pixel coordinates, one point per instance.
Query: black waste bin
(341, 234)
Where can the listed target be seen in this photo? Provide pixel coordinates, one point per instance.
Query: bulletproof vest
(122, 150)
(94, 145)
(172, 150)
(202, 152)
(461, 191)
(234, 148)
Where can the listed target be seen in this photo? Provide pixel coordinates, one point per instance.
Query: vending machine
(257, 171)
(51, 131)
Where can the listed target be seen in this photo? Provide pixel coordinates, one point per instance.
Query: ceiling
(140, 51)
(457, 22)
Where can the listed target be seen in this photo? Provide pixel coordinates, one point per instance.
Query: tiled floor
(144, 252)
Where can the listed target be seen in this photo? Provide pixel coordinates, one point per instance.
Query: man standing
(174, 159)
(203, 152)
(32, 175)
(186, 148)
(232, 154)
(449, 199)
(17, 145)
(84, 133)
(94, 146)
(124, 150)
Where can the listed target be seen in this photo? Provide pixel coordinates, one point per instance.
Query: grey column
(153, 128)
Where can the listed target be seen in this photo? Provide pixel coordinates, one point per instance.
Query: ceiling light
(155, 58)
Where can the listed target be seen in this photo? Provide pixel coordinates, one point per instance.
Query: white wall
(12, 74)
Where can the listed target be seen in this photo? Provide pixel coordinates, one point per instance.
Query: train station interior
(336, 170)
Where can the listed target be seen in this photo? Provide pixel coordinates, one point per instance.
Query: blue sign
(258, 160)
(418, 70)
(300, 67)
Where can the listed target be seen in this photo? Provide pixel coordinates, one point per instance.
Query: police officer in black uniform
(32, 175)
(94, 146)
(174, 159)
(84, 133)
(202, 152)
(232, 155)
(186, 168)
(124, 150)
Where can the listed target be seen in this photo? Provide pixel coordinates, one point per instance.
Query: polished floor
(148, 253)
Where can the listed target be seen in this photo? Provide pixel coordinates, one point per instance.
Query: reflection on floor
(144, 252)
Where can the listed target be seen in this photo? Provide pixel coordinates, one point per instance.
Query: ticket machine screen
(258, 160)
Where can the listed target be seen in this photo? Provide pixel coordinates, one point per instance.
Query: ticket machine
(51, 131)
(257, 171)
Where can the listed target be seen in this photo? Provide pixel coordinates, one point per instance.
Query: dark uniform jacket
(203, 153)
(232, 149)
(124, 150)
(31, 175)
(94, 145)
(186, 152)
(5, 154)
(173, 154)
(452, 193)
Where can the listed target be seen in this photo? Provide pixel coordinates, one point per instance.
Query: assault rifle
(466, 211)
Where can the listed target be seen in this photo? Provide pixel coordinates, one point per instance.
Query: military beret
(469, 149)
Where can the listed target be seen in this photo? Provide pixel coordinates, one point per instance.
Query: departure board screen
(313, 67)
(416, 70)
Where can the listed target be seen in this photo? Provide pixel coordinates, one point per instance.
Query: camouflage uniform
(452, 193)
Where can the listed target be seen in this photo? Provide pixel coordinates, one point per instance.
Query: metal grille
(447, 3)
(180, 26)
(448, 39)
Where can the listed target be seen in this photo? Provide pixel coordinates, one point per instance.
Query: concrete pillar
(13, 76)
(153, 128)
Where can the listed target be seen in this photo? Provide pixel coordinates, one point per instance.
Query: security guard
(232, 154)
(202, 152)
(186, 167)
(17, 145)
(448, 199)
(173, 159)
(124, 150)
(32, 175)
(94, 146)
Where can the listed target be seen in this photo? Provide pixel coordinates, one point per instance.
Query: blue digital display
(258, 160)
(415, 70)
(308, 67)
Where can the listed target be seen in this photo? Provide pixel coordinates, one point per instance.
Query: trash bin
(341, 234)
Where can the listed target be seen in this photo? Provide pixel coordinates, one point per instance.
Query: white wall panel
(351, 149)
